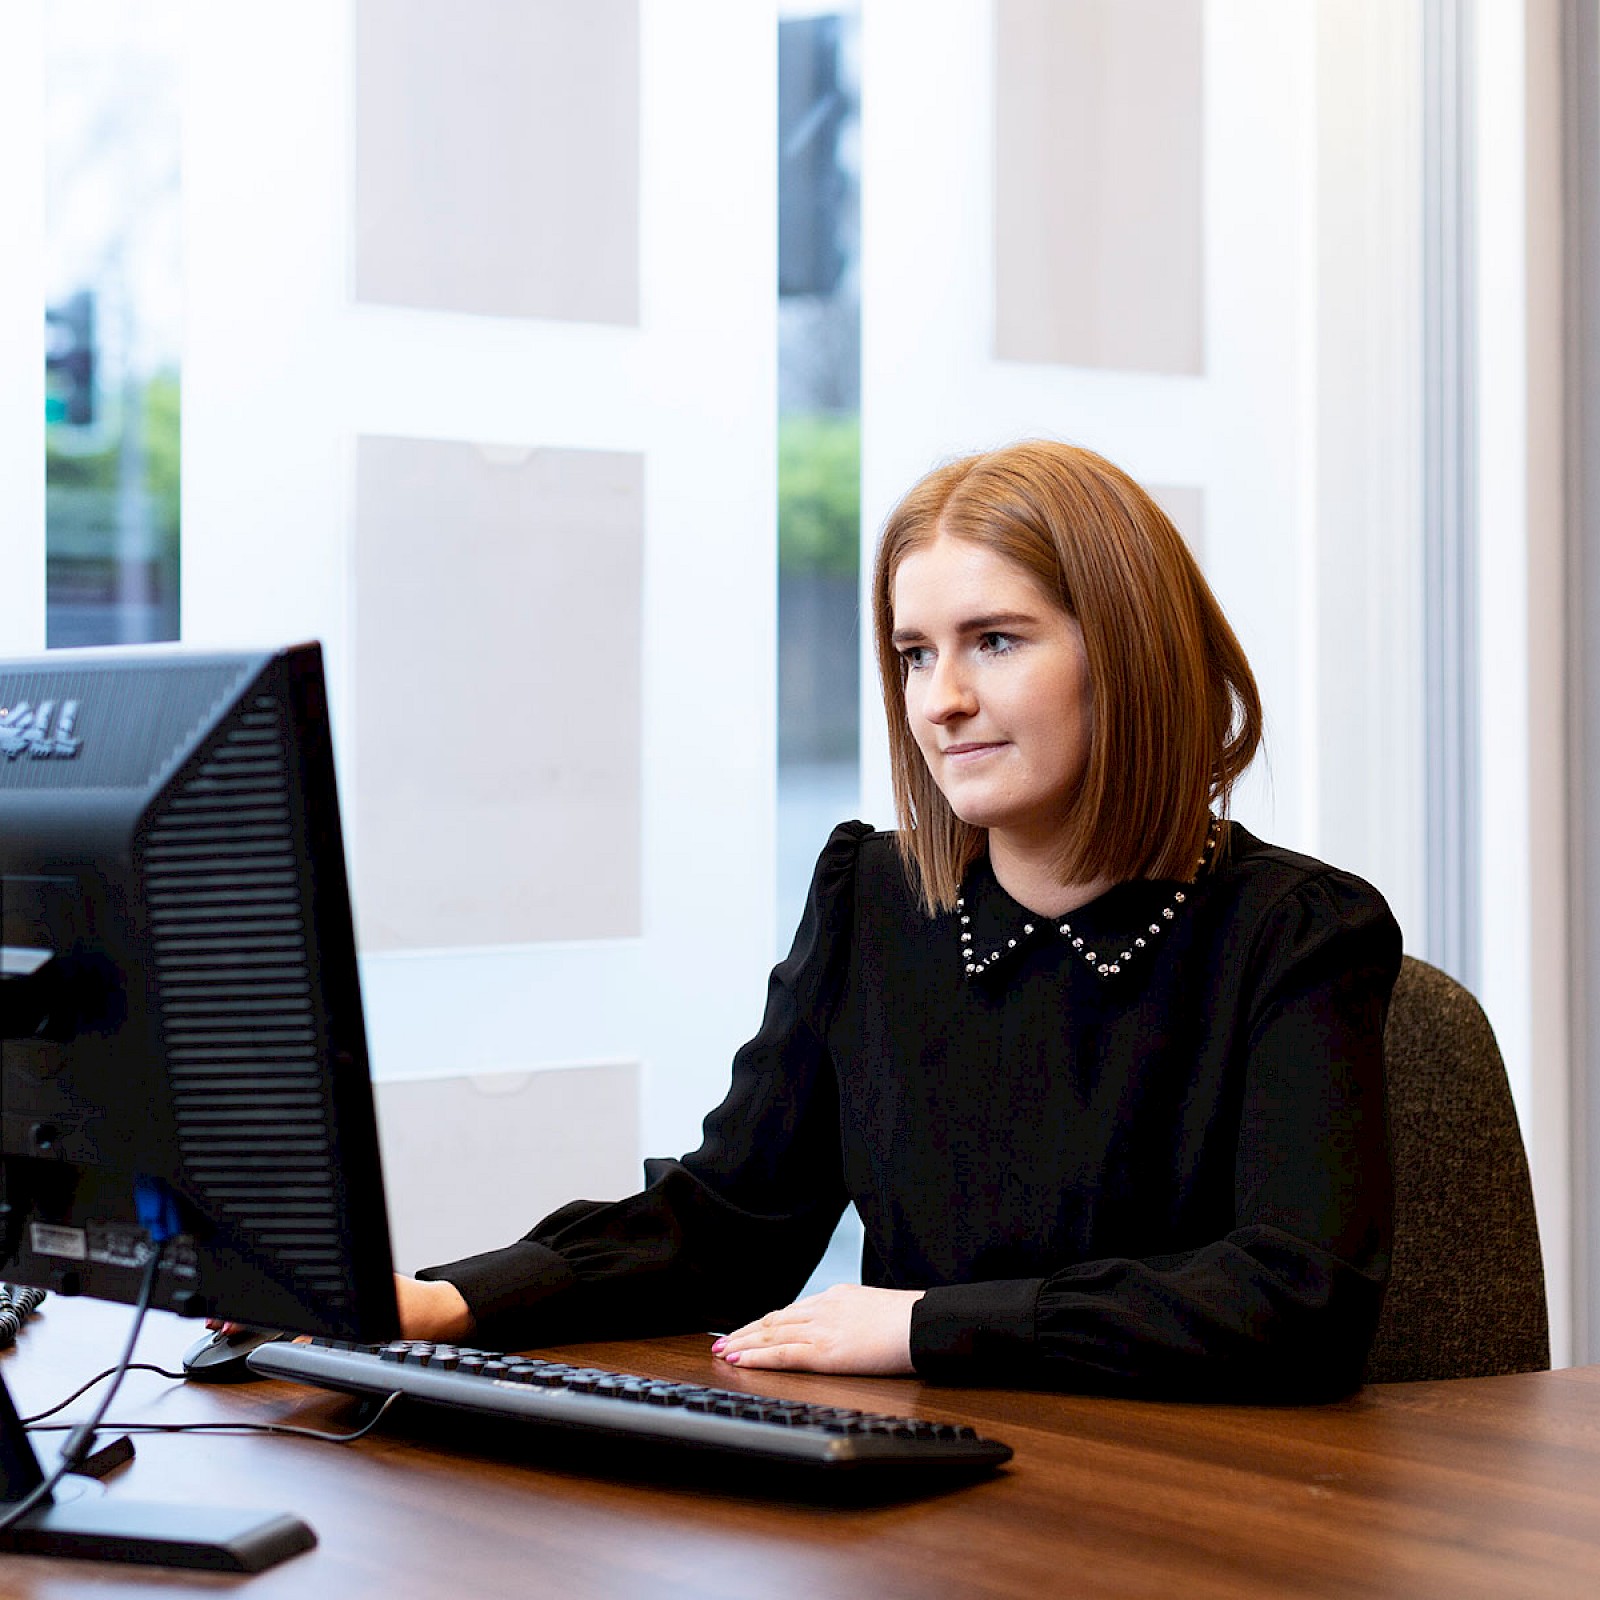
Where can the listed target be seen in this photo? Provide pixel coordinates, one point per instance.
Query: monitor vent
(239, 1016)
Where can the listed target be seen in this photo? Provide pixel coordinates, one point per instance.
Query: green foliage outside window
(83, 485)
(819, 492)
(161, 440)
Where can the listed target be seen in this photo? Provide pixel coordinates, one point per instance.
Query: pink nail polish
(719, 1346)
(732, 1356)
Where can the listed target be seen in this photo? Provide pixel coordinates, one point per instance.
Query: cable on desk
(99, 1377)
(289, 1428)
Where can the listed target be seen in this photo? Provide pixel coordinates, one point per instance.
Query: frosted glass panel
(1098, 183)
(470, 1164)
(497, 157)
(497, 661)
(1185, 504)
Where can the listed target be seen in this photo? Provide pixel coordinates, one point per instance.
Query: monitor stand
(211, 1538)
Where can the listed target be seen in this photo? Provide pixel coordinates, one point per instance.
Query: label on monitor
(50, 1240)
(114, 1245)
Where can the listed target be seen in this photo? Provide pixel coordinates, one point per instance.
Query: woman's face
(997, 688)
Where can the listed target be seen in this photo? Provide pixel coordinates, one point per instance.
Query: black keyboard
(619, 1406)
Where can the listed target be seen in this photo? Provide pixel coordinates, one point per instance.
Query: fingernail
(733, 1356)
(719, 1346)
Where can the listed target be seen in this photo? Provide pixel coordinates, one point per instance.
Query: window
(112, 315)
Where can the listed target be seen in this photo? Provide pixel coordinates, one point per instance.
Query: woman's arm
(431, 1310)
(730, 1230)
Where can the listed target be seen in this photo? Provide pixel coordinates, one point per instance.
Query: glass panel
(461, 1152)
(1185, 503)
(819, 442)
(497, 157)
(1098, 162)
(497, 712)
(113, 319)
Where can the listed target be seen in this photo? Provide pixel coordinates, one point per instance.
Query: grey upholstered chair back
(1466, 1290)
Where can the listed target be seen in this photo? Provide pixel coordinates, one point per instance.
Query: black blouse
(1171, 1177)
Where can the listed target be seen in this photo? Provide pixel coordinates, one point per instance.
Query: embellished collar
(993, 926)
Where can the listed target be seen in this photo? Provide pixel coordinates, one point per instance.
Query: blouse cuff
(512, 1280)
(962, 1323)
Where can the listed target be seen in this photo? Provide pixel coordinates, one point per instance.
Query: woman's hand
(431, 1310)
(847, 1328)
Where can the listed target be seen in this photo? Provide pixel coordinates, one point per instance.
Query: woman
(1101, 1072)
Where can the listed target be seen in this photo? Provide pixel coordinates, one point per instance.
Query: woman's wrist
(433, 1310)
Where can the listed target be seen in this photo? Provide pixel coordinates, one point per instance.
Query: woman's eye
(996, 644)
(913, 657)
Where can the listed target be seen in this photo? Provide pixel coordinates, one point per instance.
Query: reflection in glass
(112, 321)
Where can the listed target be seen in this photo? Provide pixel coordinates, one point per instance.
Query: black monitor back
(184, 1055)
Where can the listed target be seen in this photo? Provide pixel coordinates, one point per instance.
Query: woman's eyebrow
(990, 622)
(995, 620)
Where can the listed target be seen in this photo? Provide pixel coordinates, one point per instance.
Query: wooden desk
(1482, 1487)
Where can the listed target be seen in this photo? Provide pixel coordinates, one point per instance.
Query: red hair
(1176, 715)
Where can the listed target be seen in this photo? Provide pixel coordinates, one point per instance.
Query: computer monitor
(181, 1035)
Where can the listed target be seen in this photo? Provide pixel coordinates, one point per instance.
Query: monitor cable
(378, 1410)
(39, 1423)
(80, 1440)
(99, 1377)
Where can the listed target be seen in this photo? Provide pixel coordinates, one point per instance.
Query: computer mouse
(220, 1356)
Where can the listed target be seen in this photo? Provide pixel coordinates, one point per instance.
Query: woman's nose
(949, 692)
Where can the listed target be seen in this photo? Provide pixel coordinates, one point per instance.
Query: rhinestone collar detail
(1104, 965)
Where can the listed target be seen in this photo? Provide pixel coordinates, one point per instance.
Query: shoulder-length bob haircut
(1175, 712)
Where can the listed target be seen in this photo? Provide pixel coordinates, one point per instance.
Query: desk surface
(1482, 1487)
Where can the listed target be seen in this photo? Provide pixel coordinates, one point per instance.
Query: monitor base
(204, 1538)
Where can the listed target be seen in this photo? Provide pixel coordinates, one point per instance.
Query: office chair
(1466, 1287)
